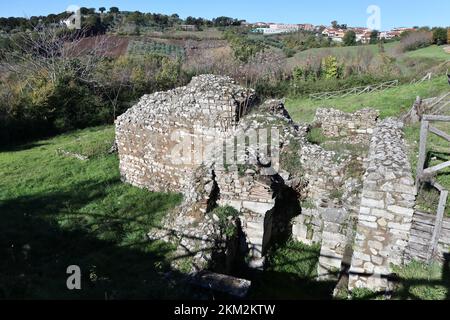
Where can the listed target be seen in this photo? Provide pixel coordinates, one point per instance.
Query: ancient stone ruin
(148, 133)
(360, 207)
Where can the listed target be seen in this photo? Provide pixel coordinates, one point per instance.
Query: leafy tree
(350, 38)
(93, 25)
(114, 10)
(225, 22)
(440, 36)
(331, 67)
(374, 36)
(84, 11)
(102, 9)
(243, 48)
(334, 24)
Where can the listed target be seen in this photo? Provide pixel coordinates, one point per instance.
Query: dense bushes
(415, 40)
(243, 48)
(71, 93)
(329, 73)
(440, 36)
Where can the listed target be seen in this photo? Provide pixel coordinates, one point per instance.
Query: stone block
(361, 256)
(401, 210)
(372, 203)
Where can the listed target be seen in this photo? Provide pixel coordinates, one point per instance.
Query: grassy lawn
(434, 52)
(391, 102)
(57, 211)
(414, 281)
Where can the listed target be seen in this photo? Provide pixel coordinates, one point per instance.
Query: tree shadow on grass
(269, 285)
(413, 288)
(36, 252)
(291, 275)
(22, 147)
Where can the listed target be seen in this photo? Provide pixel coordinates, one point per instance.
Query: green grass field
(390, 102)
(433, 52)
(57, 211)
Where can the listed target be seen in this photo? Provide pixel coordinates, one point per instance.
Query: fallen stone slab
(222, 283)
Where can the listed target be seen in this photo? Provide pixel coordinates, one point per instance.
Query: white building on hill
(276, 28)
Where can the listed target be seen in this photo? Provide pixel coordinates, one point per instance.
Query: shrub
(243, 48)
(289, 52)
(350, 38)
(271, 89)
(440, 36)
(331, 68)
(226, 216)
(315, 136)
(415, 40)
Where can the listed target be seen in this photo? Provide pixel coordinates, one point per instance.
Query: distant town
(335, 32)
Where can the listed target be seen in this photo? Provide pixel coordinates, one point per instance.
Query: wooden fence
(436, 105)
(428, 77)
(421, 237)
(354, 91)
(428, 174)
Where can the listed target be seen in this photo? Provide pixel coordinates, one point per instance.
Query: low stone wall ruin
(336, 123)
(366, 231)
(387, 209)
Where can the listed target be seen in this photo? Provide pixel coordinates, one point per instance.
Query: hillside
(391, 102)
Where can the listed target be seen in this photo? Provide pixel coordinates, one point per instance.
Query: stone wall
(307, 227)
(246, 186)
(331, 224)
(336, 123)
(148, 133)
(386, 211)
(324, 170)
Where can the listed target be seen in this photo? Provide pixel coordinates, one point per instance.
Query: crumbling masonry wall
(386, 211)
(331, 221)
(336, 123)
(149, 133)
(246, 186)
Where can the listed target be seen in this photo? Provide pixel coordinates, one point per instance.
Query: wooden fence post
(438, 225)
(422, 151)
